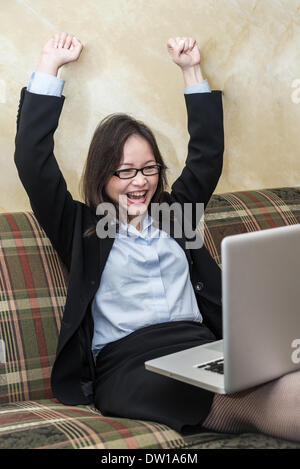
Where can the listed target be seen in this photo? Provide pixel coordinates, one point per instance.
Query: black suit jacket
(65, 220)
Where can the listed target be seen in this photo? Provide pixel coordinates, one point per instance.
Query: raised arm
(37, 120)
(204, 161)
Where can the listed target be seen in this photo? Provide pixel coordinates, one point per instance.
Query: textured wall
(250, 50)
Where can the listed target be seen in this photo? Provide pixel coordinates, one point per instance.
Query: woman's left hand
(184, 51)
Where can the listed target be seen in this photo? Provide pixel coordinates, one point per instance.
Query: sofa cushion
(57, 426)
(33, 281)
(47, 424)
(32, 299)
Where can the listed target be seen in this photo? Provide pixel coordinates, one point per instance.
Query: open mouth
(137, 197)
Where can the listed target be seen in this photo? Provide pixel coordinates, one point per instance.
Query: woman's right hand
(184, 51)
(60, 49)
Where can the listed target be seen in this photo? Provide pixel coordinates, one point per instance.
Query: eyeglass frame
(116, 173)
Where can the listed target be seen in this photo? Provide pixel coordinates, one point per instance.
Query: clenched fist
(60, 49)
(184, 51)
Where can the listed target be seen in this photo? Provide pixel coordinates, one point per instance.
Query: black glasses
(132, 172)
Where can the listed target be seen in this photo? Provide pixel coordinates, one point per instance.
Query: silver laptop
(261, 316)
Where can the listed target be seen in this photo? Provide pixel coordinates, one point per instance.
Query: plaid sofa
(32, 296)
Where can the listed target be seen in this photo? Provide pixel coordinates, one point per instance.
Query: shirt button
(199, 286)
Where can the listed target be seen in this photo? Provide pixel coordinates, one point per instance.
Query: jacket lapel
(98, 251)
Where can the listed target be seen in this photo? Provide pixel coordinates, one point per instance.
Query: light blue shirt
(146, 277)
(146, 280)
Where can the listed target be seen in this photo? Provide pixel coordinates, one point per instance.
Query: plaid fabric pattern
(244, 211)
(32, 298)
(49, 424)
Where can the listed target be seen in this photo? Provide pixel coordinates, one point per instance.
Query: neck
(137, 220)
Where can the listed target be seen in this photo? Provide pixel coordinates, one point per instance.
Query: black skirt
(124, 388)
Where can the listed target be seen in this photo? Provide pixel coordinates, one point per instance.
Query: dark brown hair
(105, 154)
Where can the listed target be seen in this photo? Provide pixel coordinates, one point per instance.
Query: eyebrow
(130, 164)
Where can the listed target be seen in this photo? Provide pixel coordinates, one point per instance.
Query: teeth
(136, 193)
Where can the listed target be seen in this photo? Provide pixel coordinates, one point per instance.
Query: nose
(140, 179)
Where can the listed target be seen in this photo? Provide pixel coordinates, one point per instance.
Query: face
(137, 154)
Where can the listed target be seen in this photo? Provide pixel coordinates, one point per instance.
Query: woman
(139, 293)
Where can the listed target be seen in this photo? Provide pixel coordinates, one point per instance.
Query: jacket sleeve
(204, 161)
(51, 202)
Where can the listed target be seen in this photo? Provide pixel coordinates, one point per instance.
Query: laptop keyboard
(216, 366)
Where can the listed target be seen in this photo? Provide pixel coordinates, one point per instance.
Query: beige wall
(250, 50)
